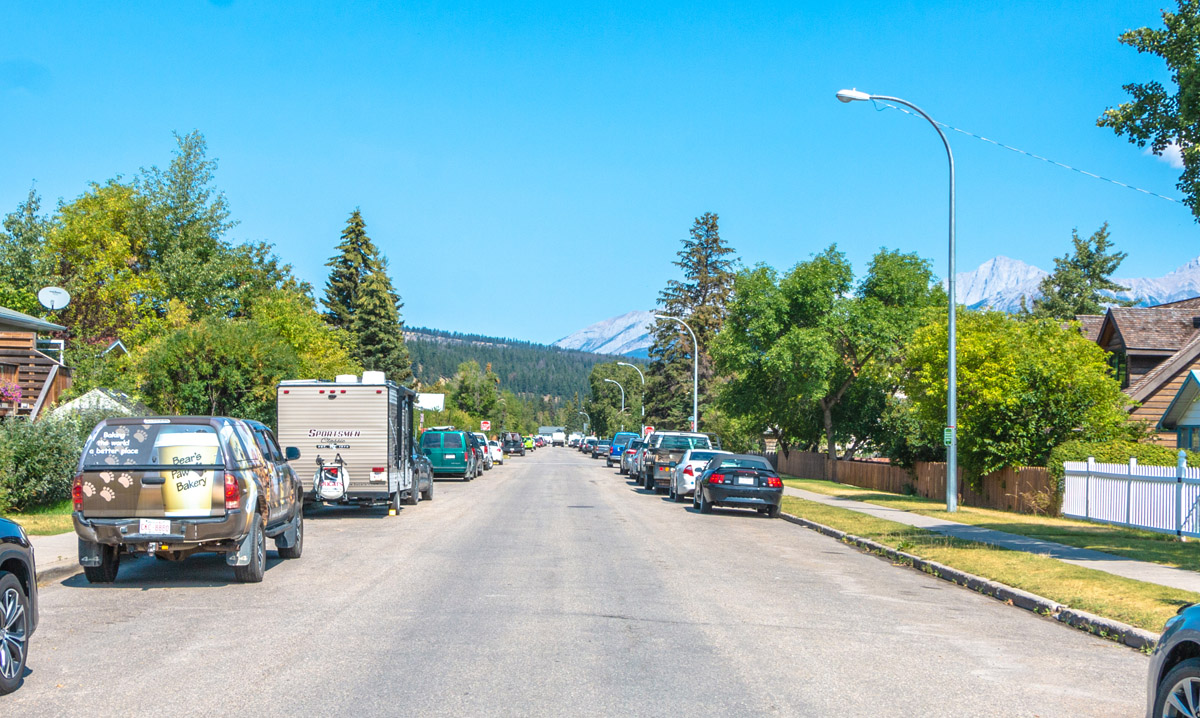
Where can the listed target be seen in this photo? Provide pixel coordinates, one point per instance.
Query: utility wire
(1018, 150)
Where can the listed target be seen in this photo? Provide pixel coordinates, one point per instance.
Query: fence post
(1129, 487)
(1180, 469)
(1087, 488)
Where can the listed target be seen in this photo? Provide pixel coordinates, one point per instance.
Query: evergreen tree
(1079, 280)
(356, 259)
(699, 299)
(378, 333)
(24, 233)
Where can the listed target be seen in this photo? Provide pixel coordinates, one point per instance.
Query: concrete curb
(58, 570)
(1097, 625)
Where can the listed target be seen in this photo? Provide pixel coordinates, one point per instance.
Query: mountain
(1000, 283)
(526, 368)
(628, 334)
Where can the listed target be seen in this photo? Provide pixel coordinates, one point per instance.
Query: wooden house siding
(18, 340)
(33, 371)
(1155, 405)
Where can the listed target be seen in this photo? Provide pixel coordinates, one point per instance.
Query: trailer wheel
(414, 496)
(394, 502)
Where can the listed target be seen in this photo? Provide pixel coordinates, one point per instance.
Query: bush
(1114, 452)
(37, 462)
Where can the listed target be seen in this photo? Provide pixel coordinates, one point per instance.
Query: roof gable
(1152, 328)
(1184, 400)
(1162, 373)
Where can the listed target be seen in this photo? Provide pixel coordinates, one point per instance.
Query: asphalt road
(551, 586)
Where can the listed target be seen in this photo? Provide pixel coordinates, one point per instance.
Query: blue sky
(530, 168)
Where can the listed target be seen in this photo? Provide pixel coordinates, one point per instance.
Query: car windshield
(606, 442)
(744, 462)
(684, 442)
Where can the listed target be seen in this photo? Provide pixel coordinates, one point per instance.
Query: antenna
(54, 298)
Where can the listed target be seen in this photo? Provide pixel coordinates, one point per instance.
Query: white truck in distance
(558, 438)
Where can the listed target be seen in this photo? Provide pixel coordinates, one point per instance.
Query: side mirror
(291, 453)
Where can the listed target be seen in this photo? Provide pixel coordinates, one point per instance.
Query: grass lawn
(1145, 605)
(1130, 543)
(45, 521)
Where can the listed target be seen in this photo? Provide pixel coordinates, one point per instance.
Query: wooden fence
(1028, 489)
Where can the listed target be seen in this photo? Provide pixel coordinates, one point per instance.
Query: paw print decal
(107, 494)
(106, 476)
(110, 460)
(140, 435)
(88, 489)
(125, 480)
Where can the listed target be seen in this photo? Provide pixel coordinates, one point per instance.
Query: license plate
(154, 527)
(747, 480)
(451, 456)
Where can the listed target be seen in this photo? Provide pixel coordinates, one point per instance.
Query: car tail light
(77, 492)
(233, 493)
(378, 469)
(774, 482)
(687, 471)
(716, 479)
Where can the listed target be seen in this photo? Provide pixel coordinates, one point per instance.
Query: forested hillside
(523, 367)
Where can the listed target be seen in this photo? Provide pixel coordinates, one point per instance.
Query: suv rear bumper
(218, 532)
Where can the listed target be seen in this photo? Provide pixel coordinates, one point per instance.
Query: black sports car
(739, 481)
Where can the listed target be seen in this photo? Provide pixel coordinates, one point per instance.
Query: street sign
(948, 435)
(647, 430)
(485, 426)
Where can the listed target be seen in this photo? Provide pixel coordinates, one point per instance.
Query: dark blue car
(1173, 686)
(18, 603)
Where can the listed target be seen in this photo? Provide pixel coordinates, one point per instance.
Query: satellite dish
(54, 298)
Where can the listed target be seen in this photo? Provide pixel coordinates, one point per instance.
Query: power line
(1018, 150)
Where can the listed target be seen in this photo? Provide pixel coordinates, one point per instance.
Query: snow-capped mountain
(626, 334)
(1000, 283)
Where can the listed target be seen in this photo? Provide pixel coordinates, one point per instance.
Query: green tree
(217, 367)
(356, 260)
(699, 299)
(1080, 279)
(378, 334)
(1023, 388)
(604, 406)
(813, 356)
(475, 391)
(25, 230)
(1167, 116)
(324, 351)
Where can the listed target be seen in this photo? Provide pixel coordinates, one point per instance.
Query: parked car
(539, 440)
(628, 455)
(740, 481)
(527, 442)
(617, 448)
(574, 439)
(484, 451)
(689, 466)
(497, 452)
(178, 485)
(1173, 683)
(449, 452)
(663, 451)
(513, 444)
(18, 602)
(639, 458)
(588, 445)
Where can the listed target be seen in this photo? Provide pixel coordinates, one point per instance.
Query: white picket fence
(1156, 498)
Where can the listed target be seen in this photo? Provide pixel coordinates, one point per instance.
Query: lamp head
(852, 96)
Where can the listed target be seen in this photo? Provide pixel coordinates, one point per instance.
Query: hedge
(1115, 452)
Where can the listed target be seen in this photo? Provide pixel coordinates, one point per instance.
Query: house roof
(1193, 302)
(13, 321)
(1161, 329)
(1184, 398)
(1090, 325)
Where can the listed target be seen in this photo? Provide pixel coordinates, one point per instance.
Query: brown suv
(177, 485)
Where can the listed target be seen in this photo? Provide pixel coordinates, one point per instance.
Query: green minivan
(450, 453)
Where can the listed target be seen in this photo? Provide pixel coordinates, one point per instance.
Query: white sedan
(691, 464)
(497, 452)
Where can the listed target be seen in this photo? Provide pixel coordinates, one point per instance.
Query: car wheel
(14, 632)
(294, 551)
(696, 499)
(772, 512)
(706, 506)
(678, 497)
(1179, 692)
(253, 571)
(414, 496)
(427, 494)
(106, 572)
(647, 482)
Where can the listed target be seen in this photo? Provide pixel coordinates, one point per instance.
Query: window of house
(1120, 368)
(1196, 439)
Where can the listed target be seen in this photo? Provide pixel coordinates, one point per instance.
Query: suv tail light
(77, 492)
(233, 492)
(687, 471)
(774, 482)
(716, 479)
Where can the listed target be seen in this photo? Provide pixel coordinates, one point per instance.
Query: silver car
(628, 455)
(691, 464)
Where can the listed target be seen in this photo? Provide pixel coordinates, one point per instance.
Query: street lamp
(951, 433)
(585, 424)
(643, 378)
(611, 381)
(695, 369)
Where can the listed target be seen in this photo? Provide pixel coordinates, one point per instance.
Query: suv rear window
(452, 441)
(152, 445)
(684, 442)
(431, 440)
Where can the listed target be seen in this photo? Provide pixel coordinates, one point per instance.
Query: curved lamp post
(588, 418)
(952, 360)
(643, 378)
(695, 369)
(612, 381)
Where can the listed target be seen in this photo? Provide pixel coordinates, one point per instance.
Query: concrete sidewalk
(1086, 558)
(55, 556)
